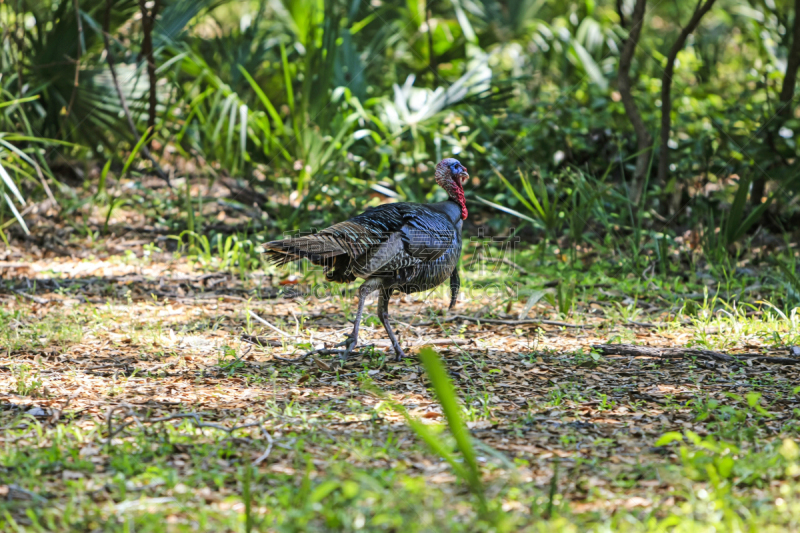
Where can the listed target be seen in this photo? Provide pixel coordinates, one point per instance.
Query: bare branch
(194, 417)
(792, 63)
(507, 322)
(110, 59)
(652, 351)
(702, 7)
(644, 140)
(77, 58)
(148, 21)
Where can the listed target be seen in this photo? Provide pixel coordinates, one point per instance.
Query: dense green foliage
(303, 105)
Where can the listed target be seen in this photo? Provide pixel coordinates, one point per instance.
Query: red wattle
(460, 200)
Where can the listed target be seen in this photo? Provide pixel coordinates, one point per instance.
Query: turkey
(400, 247)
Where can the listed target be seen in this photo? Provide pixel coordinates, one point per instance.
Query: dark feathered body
(409, 247)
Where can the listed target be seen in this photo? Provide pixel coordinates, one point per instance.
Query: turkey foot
(349, 343)
(399, 353)
(344, 354)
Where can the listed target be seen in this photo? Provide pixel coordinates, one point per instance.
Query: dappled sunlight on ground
(97, 344)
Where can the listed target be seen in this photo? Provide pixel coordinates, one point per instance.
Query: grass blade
(287, 79)
(446, 394)
(542, 206)
(507, 210)
(736, 213)
(142, 140)
(791, 276)
(516, 193)
(16, 213)
(276, 118)
(11, 185)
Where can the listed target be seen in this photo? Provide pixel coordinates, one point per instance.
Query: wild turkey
(400, 247)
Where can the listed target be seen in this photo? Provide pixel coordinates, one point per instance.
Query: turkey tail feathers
(346, 238)
(310, 247)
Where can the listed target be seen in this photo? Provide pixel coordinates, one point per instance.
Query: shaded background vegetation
(644, 152)
(650, 128)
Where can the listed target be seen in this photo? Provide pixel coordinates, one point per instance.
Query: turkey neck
(457, 196)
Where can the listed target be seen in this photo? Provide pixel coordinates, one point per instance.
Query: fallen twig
(260, 341)
(677, 352)
(507, 322)
(324, 351)
(379, 343)
(14, 265)
(264, 322)
(31, 297)
(386, 343)
(30, 494)
(194, 417)
(266, 453)
(642, 324)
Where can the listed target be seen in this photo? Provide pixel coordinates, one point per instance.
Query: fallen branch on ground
(261, 341)
(194, 417)
(653, 351)
(31, 297)
(28, 494)
(378, 343)
(273, 328)
(506, 322)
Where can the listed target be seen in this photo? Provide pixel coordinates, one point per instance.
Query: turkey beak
(463, 176)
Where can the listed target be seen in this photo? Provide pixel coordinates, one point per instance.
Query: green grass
(715, 485)
(561, 438)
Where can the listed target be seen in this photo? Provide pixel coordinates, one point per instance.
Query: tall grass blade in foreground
(468, 471)
(247, 496)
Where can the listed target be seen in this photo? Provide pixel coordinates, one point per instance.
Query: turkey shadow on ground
(134, 287)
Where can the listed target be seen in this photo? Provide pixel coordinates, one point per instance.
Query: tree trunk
(123, 102)
(643, 138)
(620, 13)
(786, 103)
(702, 7)
(148, 21)
(76, 81)
(431, 54)
(792, 62)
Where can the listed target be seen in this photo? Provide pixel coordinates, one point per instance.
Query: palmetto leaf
(584, 59)
(9, 183)
(412, 105)
(507, 210)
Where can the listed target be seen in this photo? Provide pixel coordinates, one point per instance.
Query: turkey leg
(383, 315)
(455, 285)
(366, 288)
